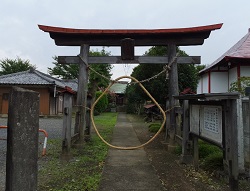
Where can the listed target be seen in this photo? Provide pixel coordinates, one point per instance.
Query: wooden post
(231, 141)
(173, 90)
(22, 140)
(88, 121)
(196, 152)
(186, 156)
(167, 121)
(80, 123)
(67, 119)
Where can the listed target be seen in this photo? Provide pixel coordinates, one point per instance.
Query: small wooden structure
(217, 119)
(49, 88)
(127, 39)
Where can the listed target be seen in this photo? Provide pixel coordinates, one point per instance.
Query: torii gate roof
(142, 37)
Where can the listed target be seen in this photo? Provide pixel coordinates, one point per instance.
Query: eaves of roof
(142, 37)
(35, 77)
(240, 51)
(129, 31)
(119, 88)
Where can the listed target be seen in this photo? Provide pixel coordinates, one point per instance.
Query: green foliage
(154, 127)
(211, 156)
(84, 171)
(240, 85)
(9, 66)
(158, 87)
(206, 149)
(102, 104)
(213, 161)
(71, 71)
(64, 71)
(178, 150)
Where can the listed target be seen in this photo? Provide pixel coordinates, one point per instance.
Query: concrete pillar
(22, 140)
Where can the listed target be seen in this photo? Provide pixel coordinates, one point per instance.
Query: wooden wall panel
(44, 99)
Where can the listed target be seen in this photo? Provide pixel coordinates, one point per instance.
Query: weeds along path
(174, 176)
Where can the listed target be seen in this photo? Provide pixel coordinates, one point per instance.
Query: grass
(211, 157)
(83, 171)
(154, 127)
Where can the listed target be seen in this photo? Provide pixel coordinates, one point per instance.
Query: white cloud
(20, 36)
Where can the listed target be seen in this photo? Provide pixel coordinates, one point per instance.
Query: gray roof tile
(34, 77)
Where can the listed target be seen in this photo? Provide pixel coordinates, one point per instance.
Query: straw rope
(132, 147)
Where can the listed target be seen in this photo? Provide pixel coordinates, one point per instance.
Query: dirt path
(174, 176)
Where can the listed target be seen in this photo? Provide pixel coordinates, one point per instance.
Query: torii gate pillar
(82, 91)
(173, 89)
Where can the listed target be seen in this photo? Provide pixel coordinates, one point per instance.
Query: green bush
(211, 156)
(178, 150)
(102, 103)
(206, 149)
(213, 161)
(154, 127)
(240, 85)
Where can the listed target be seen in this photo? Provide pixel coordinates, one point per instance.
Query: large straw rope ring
(144, 89)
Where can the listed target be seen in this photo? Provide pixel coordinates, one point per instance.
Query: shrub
(206, 149)
(240, 85)
(102, 103)
(211, 156)
(213, 161)
(154, 127)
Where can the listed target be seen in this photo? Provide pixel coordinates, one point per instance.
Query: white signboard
(211, 119)
(206, 121)
(195, 119)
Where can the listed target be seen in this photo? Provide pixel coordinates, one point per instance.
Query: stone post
(22, 140)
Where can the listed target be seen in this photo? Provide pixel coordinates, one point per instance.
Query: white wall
(205, 83)
(219, 82)
(199, 87)
(245, 71)
(232, 75)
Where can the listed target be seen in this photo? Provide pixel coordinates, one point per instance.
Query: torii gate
(127, 39)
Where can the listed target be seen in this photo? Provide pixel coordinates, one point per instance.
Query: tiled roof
(119, 88)
(73, 84)
(240, 50)
(34, 77)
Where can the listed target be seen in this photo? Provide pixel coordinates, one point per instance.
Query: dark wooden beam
(138, 59)
(138, 42)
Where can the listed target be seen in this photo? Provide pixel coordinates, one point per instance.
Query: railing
(40, 130)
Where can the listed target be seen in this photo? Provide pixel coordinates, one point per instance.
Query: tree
(240, 85)
(9, 66)
(71, 71)
(158, 87)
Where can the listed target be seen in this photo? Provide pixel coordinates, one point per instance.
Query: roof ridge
(13, 74)
(230, 51)
(48, 78)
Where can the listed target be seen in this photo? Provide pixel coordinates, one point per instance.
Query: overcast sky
(20, 36)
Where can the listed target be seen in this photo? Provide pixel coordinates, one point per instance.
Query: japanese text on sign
(211, 119)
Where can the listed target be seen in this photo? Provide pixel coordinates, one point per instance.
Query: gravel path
(53, 126)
